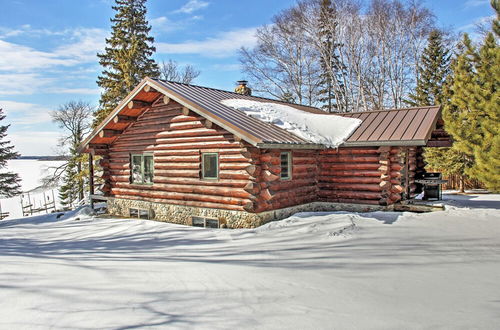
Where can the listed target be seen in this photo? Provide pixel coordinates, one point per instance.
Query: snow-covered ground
(30, 172)
(310, 271)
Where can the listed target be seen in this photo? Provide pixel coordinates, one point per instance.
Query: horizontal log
(397, 189)
(149, 89)
(106, 133)
(119, 119)
(349, 179)
(266, 194)
(350, 186)
(199, 182)
(188, 189)
(252, 188)
(268, 176)
(361, 173)
(138, 104)
(185, 203)
(349, 151)
(362, 166)
(358, 194)
(180, 196)
(349, 159)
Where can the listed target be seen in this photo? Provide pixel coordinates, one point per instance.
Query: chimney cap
(242, 82)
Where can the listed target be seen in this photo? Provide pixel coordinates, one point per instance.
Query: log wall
(177, 141)
(249, 178)
(366, 175)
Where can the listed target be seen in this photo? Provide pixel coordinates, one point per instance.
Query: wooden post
(407, 176)
(91, 179)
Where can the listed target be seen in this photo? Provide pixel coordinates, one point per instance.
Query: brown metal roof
(210, 100)
(410, 126)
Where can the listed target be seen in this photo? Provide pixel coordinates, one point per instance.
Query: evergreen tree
(432, 89)
(331, 91)
(68, 191)
(433, 70)
(473, 113)
(127, 56)
(9, 182)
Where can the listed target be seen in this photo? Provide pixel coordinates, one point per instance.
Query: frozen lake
(31, 173)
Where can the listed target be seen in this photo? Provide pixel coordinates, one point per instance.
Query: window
(205, 222)
(286, 165)
(210, 166)
(142, 169)
(139, 213)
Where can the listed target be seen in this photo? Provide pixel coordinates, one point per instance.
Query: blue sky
(47, 50)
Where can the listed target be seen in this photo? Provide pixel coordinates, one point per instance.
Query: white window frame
(203, 176)
(289, 165)
(142, 168)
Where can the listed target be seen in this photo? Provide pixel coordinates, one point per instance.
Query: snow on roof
(326, 129)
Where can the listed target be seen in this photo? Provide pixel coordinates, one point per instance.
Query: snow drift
(326, 129)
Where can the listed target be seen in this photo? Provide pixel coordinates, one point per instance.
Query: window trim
(205, 219)
(142, 168)
(289, 165)
(138, 209)
(203, 154)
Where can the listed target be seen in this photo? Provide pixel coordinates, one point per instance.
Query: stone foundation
(227, 219)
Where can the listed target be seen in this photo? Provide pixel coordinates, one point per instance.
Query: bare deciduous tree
(74, 118)
(171, 71)
(379, 47)
(284, 62)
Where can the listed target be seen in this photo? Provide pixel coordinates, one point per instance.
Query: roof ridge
(222, 90)
(382, 110)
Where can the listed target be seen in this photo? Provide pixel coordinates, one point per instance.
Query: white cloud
(223, 45)
(22, 58)
(83, 49)
(37, 143)
(22, 83)
(227, 67)
(476, 3)
(22, 113)
(87, 43)
(82, 91)
(191, 6)
(477, 28)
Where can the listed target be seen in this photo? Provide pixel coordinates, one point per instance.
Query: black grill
(431, 183)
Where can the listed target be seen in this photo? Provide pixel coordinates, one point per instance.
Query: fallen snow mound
(326, 129)
(319, 224)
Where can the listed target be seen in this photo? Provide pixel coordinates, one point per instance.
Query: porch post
(91, 179)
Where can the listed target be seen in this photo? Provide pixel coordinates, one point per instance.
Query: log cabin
(174, 152)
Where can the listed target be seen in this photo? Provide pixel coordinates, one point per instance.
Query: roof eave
(399, 143)
(270, 145)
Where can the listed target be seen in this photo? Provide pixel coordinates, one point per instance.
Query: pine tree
(432, 89)
(474, 110)
(127, 56)
(68, 191)
(331, 91)
(9, 182)
(433, 70)
(487, 94)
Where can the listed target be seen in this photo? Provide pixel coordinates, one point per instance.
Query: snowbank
(328, 130)
(324, 270)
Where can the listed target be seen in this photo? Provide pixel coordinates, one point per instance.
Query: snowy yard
(311, 271)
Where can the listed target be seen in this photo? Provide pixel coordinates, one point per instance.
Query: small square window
(286, 165)
(139, 213)
(142, 169)
(204, 222)
(210, 166)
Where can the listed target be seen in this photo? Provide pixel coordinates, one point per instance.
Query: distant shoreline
(44, 158)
